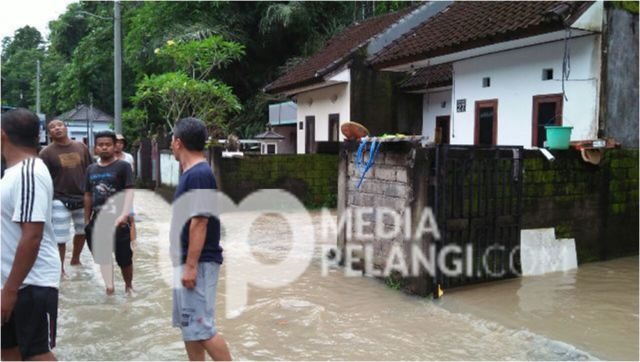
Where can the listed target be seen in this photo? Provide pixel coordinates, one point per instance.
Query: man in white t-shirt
(30, 260)
(121, 143)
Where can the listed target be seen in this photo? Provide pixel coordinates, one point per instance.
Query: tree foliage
(188, 91)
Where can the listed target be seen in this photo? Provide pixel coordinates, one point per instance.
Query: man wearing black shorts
(105, 179)
(30, 260)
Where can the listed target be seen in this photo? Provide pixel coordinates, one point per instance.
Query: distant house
(336, 85)
(496, 72)
(283, 121)
(79, 120)
(269, 142)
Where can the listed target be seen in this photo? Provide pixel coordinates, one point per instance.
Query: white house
(498, 72)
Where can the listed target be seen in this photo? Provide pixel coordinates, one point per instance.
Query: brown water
(342, 318)
(594, 308)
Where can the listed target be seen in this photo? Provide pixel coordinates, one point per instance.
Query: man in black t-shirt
(105, 179)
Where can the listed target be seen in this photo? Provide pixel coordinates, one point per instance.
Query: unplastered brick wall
(387, 184)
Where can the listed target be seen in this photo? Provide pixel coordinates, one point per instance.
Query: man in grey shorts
(197, 254)
(67, 161)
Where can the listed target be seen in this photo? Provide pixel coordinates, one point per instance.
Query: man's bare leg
(107, 277)
(127, 275)
(217, 348)
(195, 350)
(134, 232)
(43, 357)
(78, 245)
(11, 354)
(62, 249)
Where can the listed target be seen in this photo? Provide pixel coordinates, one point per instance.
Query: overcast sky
(14, 14)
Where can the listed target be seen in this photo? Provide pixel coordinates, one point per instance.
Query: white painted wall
(318, 103)
(169, 169)
(78, 130)
(592, 18)
(516, 76)
(432, 108)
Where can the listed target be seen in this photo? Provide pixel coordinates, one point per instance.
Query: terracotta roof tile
(335, 51)
(469, 24)
(429, 77)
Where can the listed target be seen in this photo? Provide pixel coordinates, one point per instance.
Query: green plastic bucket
(558, 137)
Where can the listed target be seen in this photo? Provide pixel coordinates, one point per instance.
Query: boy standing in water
(105, 179)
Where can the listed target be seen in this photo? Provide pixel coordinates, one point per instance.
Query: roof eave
(472, 44)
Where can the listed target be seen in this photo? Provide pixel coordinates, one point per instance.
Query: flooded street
(594, 308)
(584, 315)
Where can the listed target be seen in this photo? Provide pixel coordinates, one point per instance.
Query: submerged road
(335, 317)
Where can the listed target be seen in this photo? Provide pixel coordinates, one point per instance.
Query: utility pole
(117, 66)
(38, 87)
(90, 124)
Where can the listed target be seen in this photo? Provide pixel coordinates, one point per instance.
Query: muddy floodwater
(588, 314)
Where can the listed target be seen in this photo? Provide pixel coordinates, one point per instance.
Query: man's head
(57, 130)
(121, 143)
(105, 144)
(20, 130)
(189, 136)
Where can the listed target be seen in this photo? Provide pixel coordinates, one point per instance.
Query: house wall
(169, 169)
(375, 100)
(318, 103)
(621, 115)
(516, 76)
(78, 130)
(289, 144)
(432, 108)
(409, 113)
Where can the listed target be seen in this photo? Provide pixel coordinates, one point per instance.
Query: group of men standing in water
(46, 194)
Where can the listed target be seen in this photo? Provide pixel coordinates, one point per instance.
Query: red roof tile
(335, 52)
(429, 77)
(469, 24)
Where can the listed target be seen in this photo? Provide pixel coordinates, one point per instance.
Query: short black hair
(22, 127)
(192, 132)
(103, 134)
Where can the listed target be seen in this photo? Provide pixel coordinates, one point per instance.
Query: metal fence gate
(476, 197)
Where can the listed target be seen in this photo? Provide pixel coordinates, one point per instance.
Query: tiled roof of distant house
(84, 113)
(336, 52)
(470, 24)
(429, 77)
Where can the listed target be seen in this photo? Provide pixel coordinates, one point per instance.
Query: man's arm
(128, 201)
(88, 205)
(26, 255)
(87, 155)
(197, 233)
(129, 184)
(44, 156)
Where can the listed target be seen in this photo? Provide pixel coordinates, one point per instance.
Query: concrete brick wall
(596, 205)
(387, 185)
(312, 178)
